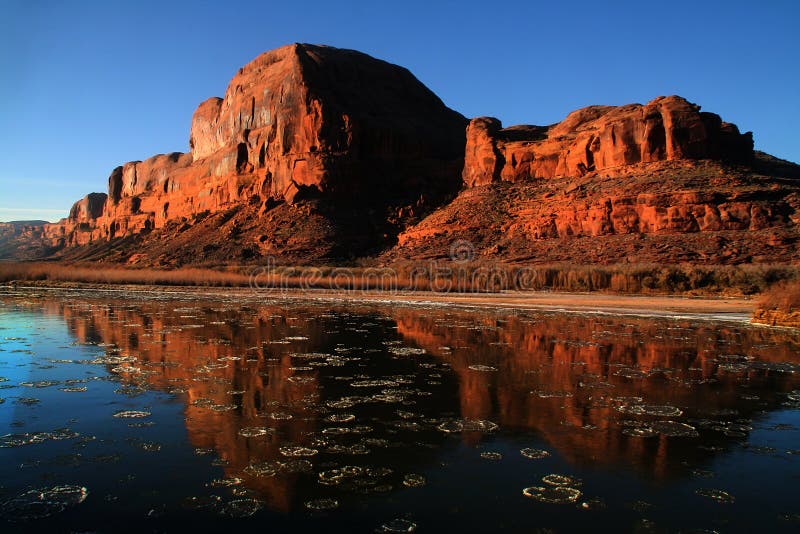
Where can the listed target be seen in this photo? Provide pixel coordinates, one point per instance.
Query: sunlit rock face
(600, 137)
(298, 122)
(332, 120)
(700, 211)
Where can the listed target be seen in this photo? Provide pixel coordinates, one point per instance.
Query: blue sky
(87, 85)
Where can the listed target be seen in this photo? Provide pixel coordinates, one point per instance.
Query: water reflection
(571, 379)
(319, 407)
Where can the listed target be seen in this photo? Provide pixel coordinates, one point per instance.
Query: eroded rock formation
(302, 121)
(600, 137)
(701, 212)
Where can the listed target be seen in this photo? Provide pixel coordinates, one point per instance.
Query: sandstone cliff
(297, 123)
(600, 137)
(662, 182)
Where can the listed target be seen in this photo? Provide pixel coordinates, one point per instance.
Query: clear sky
(88, 85)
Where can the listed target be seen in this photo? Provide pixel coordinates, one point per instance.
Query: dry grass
(96, 274)
(442, 276)
(780, 305)
(783, 297)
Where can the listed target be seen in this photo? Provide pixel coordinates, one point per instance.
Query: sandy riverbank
(736, 309)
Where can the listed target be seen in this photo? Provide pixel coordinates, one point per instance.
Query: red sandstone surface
(317, 154)
(600, 137)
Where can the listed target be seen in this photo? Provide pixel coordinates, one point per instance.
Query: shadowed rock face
(88, 208)
(600, 137)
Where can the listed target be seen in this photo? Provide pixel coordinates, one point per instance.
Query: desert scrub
(780, 305)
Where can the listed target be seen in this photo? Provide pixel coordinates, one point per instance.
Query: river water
(149, 412)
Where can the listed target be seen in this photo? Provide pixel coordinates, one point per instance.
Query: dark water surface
(159, 414)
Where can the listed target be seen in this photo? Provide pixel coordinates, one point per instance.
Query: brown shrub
(476, 276)
(783, 297)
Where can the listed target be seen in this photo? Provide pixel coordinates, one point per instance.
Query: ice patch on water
(297, 451)
(398, 526)
(225, 482)
(722, 497)
(261, 469)
(131, 414)
(413, 480)
(639, 432)
(550, 394)
(482, 368)
(467, 425)
(240, 508)
(406, 351)
(223, 407)
(301, 379)
(534, 454)
(674, 429)
(41, 503)
(552, 494)
(650, 409)
(373, 383)
(18, 440)
(341, 418)
(560, 480)
(255, 431)
(322, 504)
(40, 384)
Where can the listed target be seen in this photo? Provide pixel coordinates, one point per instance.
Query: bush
(783, 297)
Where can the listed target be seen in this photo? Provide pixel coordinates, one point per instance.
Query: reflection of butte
(171, 355)
(553, 372)
(560, 354)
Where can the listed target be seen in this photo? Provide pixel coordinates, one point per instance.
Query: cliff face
(334, 121)
(662, 182)
(600, 137)
(296, 123)
(702, 212)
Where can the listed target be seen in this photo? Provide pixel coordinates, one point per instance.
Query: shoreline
(735, 309)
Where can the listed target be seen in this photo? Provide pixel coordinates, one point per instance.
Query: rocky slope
(698, 211)
(317, 154)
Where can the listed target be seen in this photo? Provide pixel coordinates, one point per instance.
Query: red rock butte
(302, 121)
(316, 154)
(600, 137)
